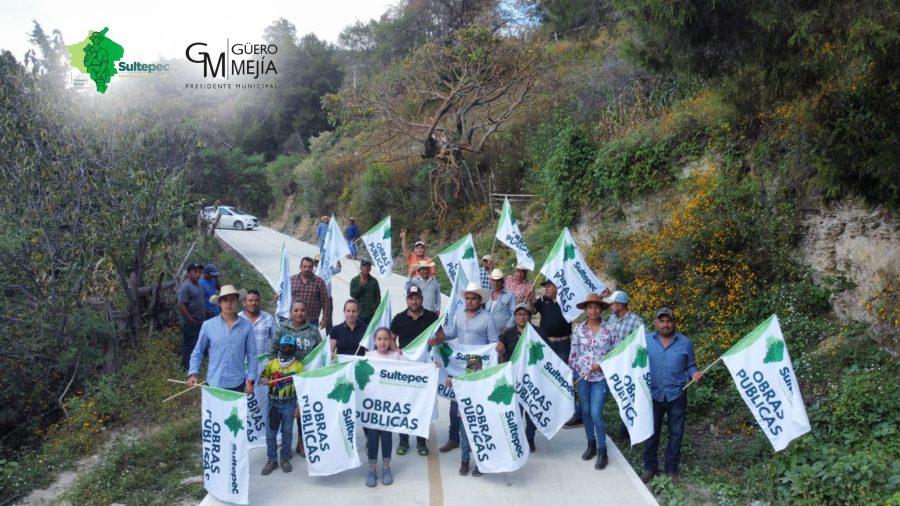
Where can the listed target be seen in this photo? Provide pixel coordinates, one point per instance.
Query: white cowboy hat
(227, 290)
(476, 289)
(496, 274)
(520, 267)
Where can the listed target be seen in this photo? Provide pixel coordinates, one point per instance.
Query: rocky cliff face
(859, 247)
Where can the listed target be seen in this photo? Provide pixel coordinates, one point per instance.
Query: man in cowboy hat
(472, 326)
(518, 284)
(428, 285)
(231, 343)
(415, 256)
(510, 338)
(484, 272)
(501, 303)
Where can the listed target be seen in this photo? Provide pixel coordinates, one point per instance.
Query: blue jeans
(675, 411)
(281, 414)
(530, 427)
(454, 423)
(593, 396)
(189, 334)
(373, 437)
(464, 443)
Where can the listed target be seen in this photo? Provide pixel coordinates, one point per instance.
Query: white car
(232, 217)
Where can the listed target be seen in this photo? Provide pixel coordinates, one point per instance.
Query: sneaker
(648, 476)
(371, 479)
(572, 423)
(423, 451)
(464, 469)
(269, 467)
(449, 446)
(476, 472)
(402, 449)
(286, 466)
(387, 477)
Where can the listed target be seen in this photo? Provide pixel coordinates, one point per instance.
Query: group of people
(496, 310)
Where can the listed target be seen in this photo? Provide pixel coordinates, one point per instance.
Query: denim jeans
(675, 413)
(454, 422)
(189, 334)
(593, 396)
(530, 427)
(464, 444)
(373, 437)
(281, 414)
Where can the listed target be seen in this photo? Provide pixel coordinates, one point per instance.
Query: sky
(151, 29)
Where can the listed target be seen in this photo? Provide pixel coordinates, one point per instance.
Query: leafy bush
(561, 170)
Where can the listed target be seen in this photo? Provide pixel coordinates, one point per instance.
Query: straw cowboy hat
(476, 289)
(424, 264)
(227, 290)
(496, 274)
(591, 299)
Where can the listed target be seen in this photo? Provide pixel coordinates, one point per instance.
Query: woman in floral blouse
(591, 341)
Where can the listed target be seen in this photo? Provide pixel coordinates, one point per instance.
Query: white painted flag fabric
(764, 375)
(283, 308)
(509, 234)
(381, 318)
(258, 409)
(226, 466)
(418, 349)
(378, 242)
(627, 371)
(574, 280)
(334, 249)
(319, 357)
(453, 357)
(490, 415)
(543, 383)
(456, 301)
(395, 395)
(461, 256)
(328, 414)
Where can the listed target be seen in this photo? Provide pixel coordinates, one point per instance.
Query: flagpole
(703, 372)
(167, 399)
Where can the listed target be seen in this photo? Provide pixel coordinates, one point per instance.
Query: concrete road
(554, 475)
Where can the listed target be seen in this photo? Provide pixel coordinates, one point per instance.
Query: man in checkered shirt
(622, 323)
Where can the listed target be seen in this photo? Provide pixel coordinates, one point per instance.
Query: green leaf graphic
(775, 352)
(445, 352)
(569, 252)
(341, 391)
(503, 392)
(640, 358)
(535, 353)
(387, 233)
(469, 253)
(233, 422)
(363, 371)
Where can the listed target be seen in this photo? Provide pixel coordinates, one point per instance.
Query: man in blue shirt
(210, 284)
(322, 231)
(671, 366)
(232, 345)
(352, 234)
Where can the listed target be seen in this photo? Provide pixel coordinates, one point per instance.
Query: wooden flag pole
(716, 361)
(167, 399)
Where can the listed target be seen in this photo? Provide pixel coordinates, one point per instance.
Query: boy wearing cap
(364, 288)
(282, 403)
(192, 309)
(671, 357)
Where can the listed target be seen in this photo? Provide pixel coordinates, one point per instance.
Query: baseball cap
(414, 290)
(524, 306)
(487, 257)
(664, 311)
(365, 261)
(617, 296)
(195, 267)
(211, 269)
(288, 340)
(419, 243)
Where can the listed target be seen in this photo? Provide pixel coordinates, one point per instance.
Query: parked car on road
(232, 217)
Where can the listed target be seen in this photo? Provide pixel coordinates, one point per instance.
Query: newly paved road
(554, 475)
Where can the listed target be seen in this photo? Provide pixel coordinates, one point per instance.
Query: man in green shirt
(364, 288)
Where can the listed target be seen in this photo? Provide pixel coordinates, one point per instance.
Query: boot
(602, 460)
(591, 451)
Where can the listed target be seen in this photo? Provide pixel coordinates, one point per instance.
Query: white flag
(226, 468)
(461, 256)
(627, 371)
(258, 409)
(318, 357)
(284, 286)
(378, 242)
(335, 248)
(328, 416)
(381, 318)
(573, 278)
(543, 383)
(491, 418)
(762, 371)
(395, 395)
(457, 301)
(453, 358)
(418, 349)
(509, 234)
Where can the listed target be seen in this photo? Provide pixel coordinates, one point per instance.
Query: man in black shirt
(408, 325)
(510, 338)
(559, 334)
